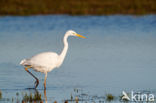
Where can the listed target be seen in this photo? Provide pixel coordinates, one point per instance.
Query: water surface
(118, 54)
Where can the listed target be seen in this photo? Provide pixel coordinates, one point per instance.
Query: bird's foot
(36, 83)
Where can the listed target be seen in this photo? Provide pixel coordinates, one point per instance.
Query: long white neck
(64, 51)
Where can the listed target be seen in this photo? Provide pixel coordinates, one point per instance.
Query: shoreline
(132, 15)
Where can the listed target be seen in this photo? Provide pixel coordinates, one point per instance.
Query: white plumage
(43, 62)
(47, 61)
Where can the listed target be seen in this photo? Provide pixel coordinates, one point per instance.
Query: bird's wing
(47, 59)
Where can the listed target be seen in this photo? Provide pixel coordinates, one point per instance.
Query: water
(118, 54)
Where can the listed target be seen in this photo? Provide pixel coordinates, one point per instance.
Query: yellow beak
(80, 36)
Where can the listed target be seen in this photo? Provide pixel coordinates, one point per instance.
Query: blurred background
(77, 7)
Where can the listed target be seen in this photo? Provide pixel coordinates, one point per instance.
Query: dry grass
(77, 7)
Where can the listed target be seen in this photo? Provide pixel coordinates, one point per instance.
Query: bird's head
(73, 33)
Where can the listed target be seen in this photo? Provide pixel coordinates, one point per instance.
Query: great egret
(47, 61)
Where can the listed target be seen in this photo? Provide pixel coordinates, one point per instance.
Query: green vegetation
(0, 94)
(31, 97)
(77, 7)
(109, 97)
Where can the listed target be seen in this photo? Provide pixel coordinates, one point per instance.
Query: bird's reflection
(45, 96)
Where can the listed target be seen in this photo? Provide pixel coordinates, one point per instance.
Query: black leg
(37, 81)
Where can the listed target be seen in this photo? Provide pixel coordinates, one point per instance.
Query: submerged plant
(31, 97)
(71, 97)
(109, 97)
(66, 101)
(0, 94)
(17, 94)
(55, 101)
(37, 96)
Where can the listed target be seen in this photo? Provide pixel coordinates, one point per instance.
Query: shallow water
(118, 54)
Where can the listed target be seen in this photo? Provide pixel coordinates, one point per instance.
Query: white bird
(47, 61)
